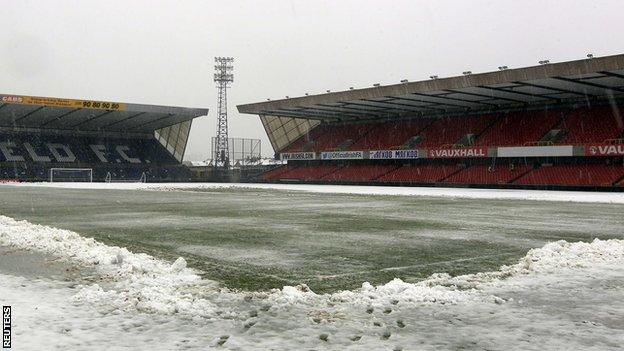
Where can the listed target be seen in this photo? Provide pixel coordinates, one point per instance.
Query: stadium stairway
(519, 128)
(420, 173)
(488, 174)
(449, 130)
(390, 135)
(594, 125)
(620, 181)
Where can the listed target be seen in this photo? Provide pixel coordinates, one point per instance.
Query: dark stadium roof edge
(28, 112)
(545, 84)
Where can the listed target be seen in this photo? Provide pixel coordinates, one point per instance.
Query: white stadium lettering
(7, 149)
(121, 150)
(99, 151)
(33, 154)
(54, 149)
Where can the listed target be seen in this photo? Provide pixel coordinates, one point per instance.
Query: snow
(469, 193)
(563, 294)
(133, 281)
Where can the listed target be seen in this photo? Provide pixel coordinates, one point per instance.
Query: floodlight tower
(223, 77)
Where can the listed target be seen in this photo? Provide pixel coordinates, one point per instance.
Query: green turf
(261, 239)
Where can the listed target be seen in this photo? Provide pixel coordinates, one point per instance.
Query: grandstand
(552, 126)
(114, 141)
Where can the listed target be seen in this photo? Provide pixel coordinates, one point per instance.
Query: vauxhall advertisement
(604, 150)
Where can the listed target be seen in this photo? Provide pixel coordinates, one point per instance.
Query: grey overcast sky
(161, 52)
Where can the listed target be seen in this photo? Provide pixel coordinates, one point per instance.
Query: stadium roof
(546, 84)
(18, 111)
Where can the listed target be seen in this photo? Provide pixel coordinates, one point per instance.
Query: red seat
(309, 172)
(360, 172)
(448, 130)
(390, 135)
(329, 137)
(420, 173)
(591, 174)
(519, 128)
(485, 174)
(592, 126)
(275, 173)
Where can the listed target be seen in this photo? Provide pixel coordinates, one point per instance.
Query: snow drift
(135, 281)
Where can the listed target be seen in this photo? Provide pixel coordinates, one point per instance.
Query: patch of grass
(256, 239)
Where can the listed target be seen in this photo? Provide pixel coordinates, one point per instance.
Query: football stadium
(366, 237)
(55, 139)
(552, 126)
(473, 211)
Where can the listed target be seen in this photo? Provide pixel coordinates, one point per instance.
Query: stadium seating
(520, 128)
(420, 173)
(584, 175)
(144, 150)
(449, 130)
(309, 172)
(390, 135)
(360, 172)
(328, 138)
(488, 174)
(275, 173)
(512, 129)
(594, 125)
(524, 128)
(30, 157)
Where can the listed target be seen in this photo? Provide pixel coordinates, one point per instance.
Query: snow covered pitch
(317, 267)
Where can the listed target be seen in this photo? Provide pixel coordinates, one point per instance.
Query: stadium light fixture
(467, 73)
(590, 55)
(350, 88)
(544, 62)
(328, 91)
(433, 77)
(502, 68)
(376, 84)
(268, 99)
(404, 81)
(223, 77)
